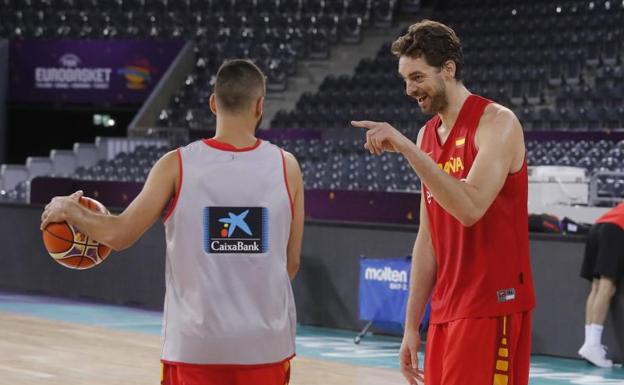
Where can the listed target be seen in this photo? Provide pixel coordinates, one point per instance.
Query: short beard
(438, 101)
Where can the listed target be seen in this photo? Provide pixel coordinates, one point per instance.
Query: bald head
(238, 86)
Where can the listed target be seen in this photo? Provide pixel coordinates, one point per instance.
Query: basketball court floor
(47, 340)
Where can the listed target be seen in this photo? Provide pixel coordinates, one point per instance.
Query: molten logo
(453, 165)
(385, 275)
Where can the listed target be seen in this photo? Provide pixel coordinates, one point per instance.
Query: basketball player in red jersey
(471, 255)
(233, 233)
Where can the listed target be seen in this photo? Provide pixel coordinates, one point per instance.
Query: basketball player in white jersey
(233, 230)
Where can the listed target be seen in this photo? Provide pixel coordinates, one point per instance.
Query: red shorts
(187, 374)
(479, 351)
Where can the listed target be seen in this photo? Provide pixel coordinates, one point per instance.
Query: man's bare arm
(121, 231)
(295, 186)
(422, 276)
(501, 145)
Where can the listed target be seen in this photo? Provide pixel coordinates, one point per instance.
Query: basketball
(71, 248)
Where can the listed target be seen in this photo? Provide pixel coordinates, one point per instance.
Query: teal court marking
(312, 342)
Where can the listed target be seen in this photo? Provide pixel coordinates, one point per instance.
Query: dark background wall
(326, 287)
(4, 70)
(33, 130)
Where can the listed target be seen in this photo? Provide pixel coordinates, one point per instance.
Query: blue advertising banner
(87, 71)
(384, 288)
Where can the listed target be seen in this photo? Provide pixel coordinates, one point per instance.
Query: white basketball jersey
(228, 296)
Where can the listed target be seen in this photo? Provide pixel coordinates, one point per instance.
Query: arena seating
(345, 165)
(558, 66)
(274, 33)
(109, 159)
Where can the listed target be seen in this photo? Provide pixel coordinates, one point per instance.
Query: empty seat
(38, 166)
(86, 154)
(12, 174)
(63, 162)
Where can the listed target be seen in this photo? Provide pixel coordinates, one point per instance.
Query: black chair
(382, 13)
(351, 29)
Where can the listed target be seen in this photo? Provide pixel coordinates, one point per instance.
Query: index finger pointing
(363, 124)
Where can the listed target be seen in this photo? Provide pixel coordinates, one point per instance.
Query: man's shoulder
(495, 112)
(497, 118)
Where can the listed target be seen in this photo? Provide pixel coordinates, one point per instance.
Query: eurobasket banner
(87, 71)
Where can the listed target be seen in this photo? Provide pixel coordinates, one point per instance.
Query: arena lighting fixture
(103, 120)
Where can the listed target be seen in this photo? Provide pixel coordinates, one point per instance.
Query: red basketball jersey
(482, 270)
(615, 216)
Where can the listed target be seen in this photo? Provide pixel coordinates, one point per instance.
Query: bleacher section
(274, 33)
(558, 66)
(345, 165)
(108, 159)
(375, 92)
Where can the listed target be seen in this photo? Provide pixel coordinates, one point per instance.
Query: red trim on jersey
(212, 142)
(174, 201)
(229, 366)
(614, 216)
(290, 199)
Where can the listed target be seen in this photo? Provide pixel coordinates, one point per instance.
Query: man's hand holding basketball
(381, 137)
(55, 210)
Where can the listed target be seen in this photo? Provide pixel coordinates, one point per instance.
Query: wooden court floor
(36, 351)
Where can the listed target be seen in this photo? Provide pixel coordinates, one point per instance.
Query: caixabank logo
(236, 230)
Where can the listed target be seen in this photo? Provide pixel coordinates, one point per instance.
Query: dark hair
(239, 83)
(436, 42)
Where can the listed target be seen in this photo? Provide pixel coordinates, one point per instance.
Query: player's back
(229, 298)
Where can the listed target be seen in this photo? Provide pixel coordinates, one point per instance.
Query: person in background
(603, 266)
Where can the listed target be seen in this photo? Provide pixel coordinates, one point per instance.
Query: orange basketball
(71, 248)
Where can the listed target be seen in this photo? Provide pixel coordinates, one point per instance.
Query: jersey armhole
(174, 200)
(290, 198)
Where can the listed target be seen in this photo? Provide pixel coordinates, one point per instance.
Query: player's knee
(607, 287)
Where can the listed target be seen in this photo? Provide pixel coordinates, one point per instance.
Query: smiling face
(430, 61)
(425, 83)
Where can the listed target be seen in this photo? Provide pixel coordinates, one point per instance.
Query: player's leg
(604, 294)
(470, 354)
(484, 351)
(587, 271)
(592, 349)
(607, 269)
(521, 338)
(589, 305)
